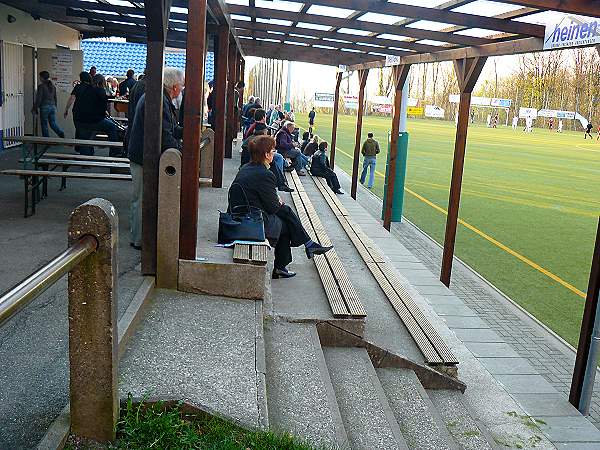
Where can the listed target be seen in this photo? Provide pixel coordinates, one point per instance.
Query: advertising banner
(501, 103)
(383, 109)
(351, 101)
(555, 113)
(525, 113)
(434, 111)
(415, 111)
(380, 100)
(484, 101)
(572, 31)
(324, 100)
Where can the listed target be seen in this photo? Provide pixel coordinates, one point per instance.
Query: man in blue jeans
(370, 149)
(45, 101)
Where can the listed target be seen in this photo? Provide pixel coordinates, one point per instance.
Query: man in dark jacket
(171, 138)
(370, 150)
(128, 83)
(285, 146)
(319, 167)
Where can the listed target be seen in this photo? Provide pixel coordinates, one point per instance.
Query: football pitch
(529, 206)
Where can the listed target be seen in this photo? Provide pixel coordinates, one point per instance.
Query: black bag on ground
(241, 223)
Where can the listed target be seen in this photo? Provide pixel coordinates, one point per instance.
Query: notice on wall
(62, 70)
(572, 31)
(323, 100)
(351, 101)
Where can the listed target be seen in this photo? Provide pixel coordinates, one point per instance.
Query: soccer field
(529, 206)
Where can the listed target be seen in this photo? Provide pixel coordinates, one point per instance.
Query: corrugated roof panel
(115, 58)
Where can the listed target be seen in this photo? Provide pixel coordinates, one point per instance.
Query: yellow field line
(488, 238)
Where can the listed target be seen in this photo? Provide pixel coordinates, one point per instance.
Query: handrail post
(169, 195)
(94, 405)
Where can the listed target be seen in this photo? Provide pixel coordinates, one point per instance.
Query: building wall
(40, 34)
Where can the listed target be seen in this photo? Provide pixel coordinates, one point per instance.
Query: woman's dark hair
(251, 112)
(305, 135)
(259, 114)
(259, 146)
(99, 81)
(45, 76)
(85, 77)
(323, 146)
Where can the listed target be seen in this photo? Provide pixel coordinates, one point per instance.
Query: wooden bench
(342, 296)
(433, 347)
(78, 157)
(33, 178)
(250, 254)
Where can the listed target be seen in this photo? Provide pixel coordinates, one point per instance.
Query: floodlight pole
(157, 18)
(363, 74)
(398, 124)
(467, 71)
(584, 372)
(192, 119)
(336, 101)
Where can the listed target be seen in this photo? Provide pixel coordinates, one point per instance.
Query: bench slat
(259, 254)
(77, 157)
(67, 162)
(241, 253)
(52, 174)
(61, 141)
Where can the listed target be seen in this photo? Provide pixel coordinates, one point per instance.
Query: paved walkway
(551, 357)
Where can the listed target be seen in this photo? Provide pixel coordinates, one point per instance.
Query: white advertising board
(351, 101)
(524, 113)
(557, 114)
(434, 111)
(380, 100)
(324, 100)
(484, 101)
(572, 31)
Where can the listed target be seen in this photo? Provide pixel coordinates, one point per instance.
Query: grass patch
(153, 426)
(536, 193)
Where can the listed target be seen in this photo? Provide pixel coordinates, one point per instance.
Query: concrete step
(300, 397)
(420, 422)
(367, 416)
(466, 430)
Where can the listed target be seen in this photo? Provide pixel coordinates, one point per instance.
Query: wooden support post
(336, 101)
(231, 80)
(192, 119)
(587, 326)
(222, 51)
(157, 16)
(93, 334)
(400, 76)
(362, 79)
(241, 98)
(467, 71)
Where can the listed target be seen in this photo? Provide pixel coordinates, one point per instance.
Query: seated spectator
(319, 167)
(312, 146)
(173, 81)
(126, 85)
(274, 114)
(255, 184)
(259, 117)
(305, 140)
(285, 146)
(90, 105)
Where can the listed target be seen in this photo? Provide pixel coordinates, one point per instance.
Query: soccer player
(560, 126)
(515, 122)
(551, 124)
(588, 130)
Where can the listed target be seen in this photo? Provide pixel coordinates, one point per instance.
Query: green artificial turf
(536, 193)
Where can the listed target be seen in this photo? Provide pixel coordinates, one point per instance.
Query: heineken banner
(572, 31)
(324, 100)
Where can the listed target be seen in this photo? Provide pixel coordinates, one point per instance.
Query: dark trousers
(88, 130)
(292, 234)
(330, 177)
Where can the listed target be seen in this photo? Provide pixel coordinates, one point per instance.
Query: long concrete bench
(435, 351)
(250, 254)
(33, 179)
(342, 296)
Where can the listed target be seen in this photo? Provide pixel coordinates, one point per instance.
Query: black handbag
(241, 223)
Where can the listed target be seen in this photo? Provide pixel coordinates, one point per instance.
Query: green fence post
(398, 197)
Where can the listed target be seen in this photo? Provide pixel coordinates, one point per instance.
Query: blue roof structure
(115, 58)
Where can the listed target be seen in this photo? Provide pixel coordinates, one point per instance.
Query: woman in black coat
(255, 184)
(319, 167)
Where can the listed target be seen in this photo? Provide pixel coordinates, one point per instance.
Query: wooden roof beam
(364, 26)
(335, 35)
(582, 7)
(436, 15)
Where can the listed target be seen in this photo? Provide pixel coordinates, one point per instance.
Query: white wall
(41, 34)
(36, 33)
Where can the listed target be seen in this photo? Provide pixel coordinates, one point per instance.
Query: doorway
(11, 80)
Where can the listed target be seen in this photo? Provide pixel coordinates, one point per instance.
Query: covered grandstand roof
(115, 58)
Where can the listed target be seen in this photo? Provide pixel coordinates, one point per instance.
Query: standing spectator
(45, 102)
(210, 103)
(472, 115)
(370, 150)
(93, 71)
(126, 85)
(172, 133)
(311, 120)
(319, 167)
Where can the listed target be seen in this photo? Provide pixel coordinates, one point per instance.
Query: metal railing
(16, 298)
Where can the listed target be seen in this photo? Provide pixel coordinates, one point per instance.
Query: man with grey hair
(284, 144)
(173, 81)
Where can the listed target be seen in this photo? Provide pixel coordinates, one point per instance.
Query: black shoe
(288, 169)
(286, 189)
(137, 247)
(282, 273)
(339, 192)
(316, 249)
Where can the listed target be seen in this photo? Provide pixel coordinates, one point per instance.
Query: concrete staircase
(336, 397)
